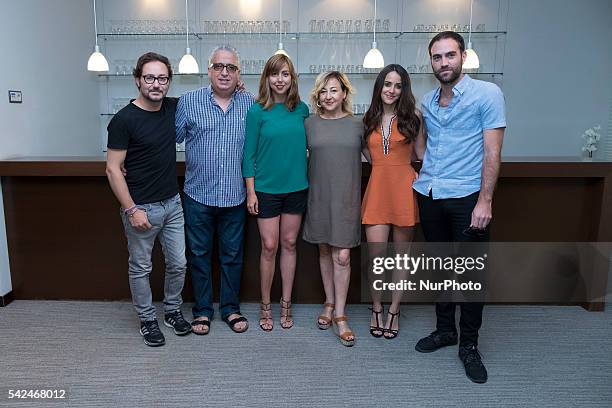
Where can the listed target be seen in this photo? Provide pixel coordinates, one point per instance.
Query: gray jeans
(167, 220)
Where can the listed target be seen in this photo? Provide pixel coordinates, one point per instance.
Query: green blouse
(275, 148)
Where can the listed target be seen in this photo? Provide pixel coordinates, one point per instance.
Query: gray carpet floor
(536, 356)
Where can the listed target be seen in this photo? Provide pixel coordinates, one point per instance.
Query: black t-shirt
(150, 141)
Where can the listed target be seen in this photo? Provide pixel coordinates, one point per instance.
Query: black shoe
(175, 321)
(435, 341)
(472, 361)
(153, 337)
(377, 331)
(390, 333)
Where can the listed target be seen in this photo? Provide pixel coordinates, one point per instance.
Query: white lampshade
(281, 50)
(97, 62)
(374, 58)
(188, 64)
(471, 59)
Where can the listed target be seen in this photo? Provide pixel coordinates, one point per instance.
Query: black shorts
(273, 205)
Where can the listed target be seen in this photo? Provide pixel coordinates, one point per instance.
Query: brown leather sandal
(347, 338)
(265, 317)
(324, 322)
(285, 313)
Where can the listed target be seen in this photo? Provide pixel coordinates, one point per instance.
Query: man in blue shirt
(465, 121)
(211, 121)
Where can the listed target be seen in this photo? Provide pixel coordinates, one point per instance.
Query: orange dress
(389, 198)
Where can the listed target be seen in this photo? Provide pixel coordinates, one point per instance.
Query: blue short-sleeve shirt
(452, 164)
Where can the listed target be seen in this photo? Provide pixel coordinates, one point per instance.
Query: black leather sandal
(390, 333)
(200, 323)
(378, 328)
(232, 323)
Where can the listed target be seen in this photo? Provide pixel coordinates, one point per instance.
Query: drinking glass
(340, 26)
(348, 26)
(321, 26)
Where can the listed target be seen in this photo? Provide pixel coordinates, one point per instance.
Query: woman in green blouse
(274, 168)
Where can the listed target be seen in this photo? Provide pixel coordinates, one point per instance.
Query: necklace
(386, 137)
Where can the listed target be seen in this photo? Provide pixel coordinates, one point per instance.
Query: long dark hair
(408, 122)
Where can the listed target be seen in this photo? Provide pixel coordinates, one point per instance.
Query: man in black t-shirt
(141, 138)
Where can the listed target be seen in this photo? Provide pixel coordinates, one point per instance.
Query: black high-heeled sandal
(378, 327)
(393, 333)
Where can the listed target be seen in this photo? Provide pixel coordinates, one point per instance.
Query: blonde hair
(321, 81)
(273, 66)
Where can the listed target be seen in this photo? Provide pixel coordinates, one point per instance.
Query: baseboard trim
(6, 299)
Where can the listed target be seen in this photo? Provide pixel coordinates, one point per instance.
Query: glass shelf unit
(112, 114)
(343, 51)
(295, 35)
(262, 35)
(306, 74)
(338, 49)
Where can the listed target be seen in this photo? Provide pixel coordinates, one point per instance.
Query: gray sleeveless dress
(333, 214)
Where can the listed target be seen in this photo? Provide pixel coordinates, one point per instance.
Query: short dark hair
(448, 34)
(150, 57)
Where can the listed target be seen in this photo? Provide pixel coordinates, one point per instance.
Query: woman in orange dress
(392, 126)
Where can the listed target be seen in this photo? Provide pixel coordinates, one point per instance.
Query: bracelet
(130, 211)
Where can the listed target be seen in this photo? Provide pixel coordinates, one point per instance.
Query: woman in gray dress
(334, 209)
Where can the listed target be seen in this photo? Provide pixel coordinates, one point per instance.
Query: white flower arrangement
(591, 137)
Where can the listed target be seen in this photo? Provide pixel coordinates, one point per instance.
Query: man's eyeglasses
(218, 67)
(149, 79)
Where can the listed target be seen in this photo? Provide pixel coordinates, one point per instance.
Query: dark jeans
(202, 221)
(444, 220)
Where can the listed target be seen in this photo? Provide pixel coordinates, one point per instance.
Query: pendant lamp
(97, 62)
(188, 64)
(471, 59)
(374, 58)
(280, 49)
